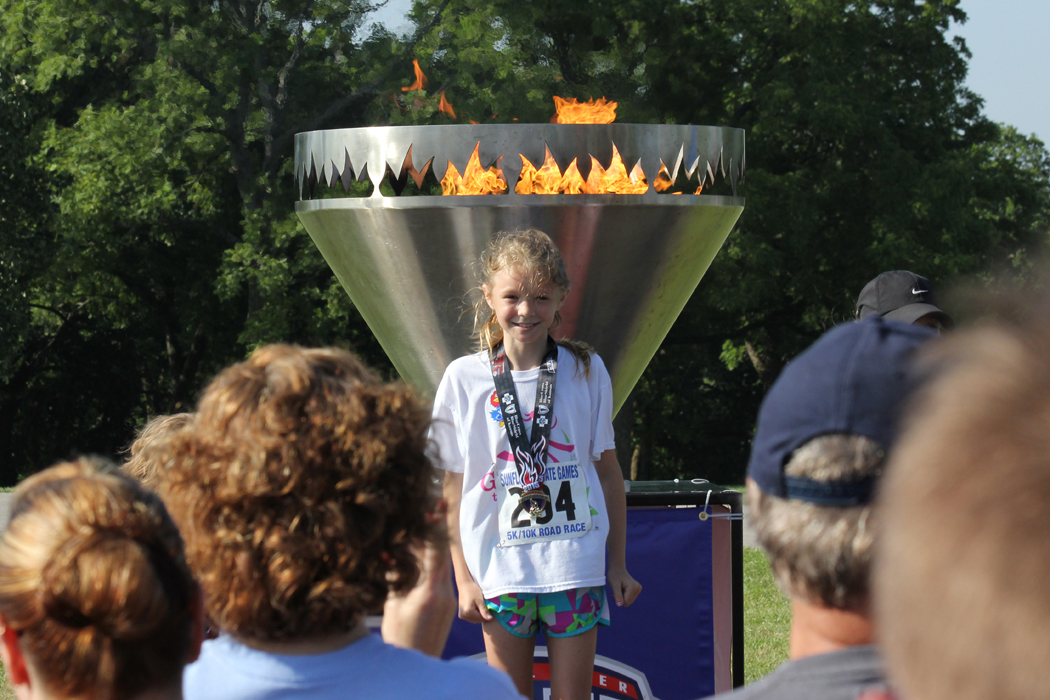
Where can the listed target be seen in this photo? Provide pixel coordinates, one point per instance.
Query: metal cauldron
(406, 261)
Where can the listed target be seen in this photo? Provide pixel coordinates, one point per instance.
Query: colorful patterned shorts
(560, 614)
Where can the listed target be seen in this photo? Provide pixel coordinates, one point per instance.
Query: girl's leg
(512, 655)
(572, 665)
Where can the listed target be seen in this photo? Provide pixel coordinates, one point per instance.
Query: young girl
(534, 491)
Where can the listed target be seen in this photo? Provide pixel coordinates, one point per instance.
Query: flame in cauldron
(570, 111)
(421, 80)
(548, 178)
(475, 179)
(446, 107)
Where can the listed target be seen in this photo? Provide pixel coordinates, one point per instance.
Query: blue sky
(1010, 67)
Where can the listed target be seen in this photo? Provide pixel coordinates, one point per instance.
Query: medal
(528, 459)
(535, 502)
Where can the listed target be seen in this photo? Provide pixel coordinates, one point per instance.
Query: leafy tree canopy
(146, 228)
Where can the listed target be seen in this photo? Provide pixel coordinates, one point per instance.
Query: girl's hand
(472, 603)
(624, 588)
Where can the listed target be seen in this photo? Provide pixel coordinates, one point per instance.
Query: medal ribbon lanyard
(528, 459)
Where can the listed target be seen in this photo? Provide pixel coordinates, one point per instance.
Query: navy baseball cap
(854, 380)
(900, 295)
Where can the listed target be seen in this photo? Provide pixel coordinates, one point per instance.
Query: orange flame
(545, 180)
(549, 179)
(421, 80)
(445, 107)
(615, 180)
(475, 179)
(663, 180)
(569, 111)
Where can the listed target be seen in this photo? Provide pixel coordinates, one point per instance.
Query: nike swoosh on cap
(919, 291)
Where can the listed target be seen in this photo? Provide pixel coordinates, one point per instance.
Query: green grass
(767, 618)
(5, 690)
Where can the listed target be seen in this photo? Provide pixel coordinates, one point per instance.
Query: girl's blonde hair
(94, 580)
(532, 253)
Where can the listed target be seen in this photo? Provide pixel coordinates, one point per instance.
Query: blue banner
(662, 647)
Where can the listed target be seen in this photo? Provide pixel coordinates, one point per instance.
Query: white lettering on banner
(567, 514)
(610, 680)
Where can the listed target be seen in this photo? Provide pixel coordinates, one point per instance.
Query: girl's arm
(471, 601)
(625, 589)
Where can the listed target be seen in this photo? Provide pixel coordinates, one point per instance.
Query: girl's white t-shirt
(467, 436)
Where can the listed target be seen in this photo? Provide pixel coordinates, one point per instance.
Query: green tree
(20, 212)
(163, 144)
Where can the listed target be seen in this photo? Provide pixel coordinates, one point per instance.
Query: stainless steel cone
(408, 262)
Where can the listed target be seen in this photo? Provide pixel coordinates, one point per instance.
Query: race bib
(568, 513)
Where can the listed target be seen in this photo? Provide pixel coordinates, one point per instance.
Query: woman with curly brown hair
(303, 490)
(141, 464)
(96, 599)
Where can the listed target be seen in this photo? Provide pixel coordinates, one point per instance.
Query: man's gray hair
(821, 553)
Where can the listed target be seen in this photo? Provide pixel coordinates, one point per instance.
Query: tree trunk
(637, 465)
(768, 368)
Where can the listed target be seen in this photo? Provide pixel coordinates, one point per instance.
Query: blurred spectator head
(302, 487)
(143, 455)
(823, 432)
(903, 296)
(96, 598)
(964, 558)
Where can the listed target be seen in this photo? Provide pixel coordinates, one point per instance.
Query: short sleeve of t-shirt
(602, 435)
(445, 449)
